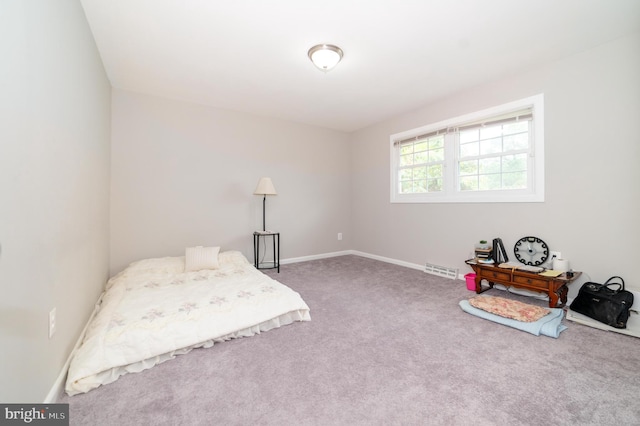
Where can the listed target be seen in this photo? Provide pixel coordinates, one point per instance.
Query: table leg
(479, 288)
(478, 285)
(256, 249)
(273, 237)
(278, 257)
(553, 299)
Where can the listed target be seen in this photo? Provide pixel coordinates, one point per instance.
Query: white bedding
(153, 310)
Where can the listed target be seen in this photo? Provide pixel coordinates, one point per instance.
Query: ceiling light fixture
(325, 56)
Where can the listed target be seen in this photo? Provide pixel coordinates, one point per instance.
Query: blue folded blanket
(549, 325)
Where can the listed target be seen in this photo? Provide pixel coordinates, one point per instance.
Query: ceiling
(399, 55)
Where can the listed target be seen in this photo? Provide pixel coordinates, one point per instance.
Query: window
(422, 165)
(494, 155)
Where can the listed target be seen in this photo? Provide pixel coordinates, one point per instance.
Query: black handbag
(604, 304)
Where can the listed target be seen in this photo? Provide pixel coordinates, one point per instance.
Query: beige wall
(54, 190)
(592, 150)
(184, 175)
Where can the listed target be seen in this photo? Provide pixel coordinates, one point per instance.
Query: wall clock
(531, 251)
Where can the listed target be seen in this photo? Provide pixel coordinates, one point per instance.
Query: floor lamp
(265, 187)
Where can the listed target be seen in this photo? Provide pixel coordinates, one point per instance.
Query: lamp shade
(265, 187)
(325, 56)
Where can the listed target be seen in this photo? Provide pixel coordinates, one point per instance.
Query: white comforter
(153, 310)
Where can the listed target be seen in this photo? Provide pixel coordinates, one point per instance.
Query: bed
(156, 309)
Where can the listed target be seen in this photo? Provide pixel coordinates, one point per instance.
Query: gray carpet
(386, 345)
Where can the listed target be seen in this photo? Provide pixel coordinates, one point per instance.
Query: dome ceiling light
(325, 56)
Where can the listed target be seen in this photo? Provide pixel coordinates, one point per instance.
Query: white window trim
(451, 195)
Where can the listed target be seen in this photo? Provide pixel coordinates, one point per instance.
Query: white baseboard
(58, 386)
(389, 260)
(356, 253)
(315, 257)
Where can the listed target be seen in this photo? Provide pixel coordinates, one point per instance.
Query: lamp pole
(264, 200)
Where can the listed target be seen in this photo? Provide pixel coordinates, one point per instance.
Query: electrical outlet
(339, 236)
(52, 322)
(555, 254)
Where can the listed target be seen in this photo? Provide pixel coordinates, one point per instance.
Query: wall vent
(441, 271)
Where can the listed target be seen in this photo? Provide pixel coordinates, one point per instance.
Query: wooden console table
(555, 287)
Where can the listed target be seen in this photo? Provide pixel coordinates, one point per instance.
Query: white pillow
(198, 258)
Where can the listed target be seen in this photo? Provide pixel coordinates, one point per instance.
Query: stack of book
(484, 255)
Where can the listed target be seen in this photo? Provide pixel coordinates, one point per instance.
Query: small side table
(275, 237)
(555, 287)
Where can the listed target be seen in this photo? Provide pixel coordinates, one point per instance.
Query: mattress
(154, 310)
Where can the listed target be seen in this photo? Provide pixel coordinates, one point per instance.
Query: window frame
(450, 194)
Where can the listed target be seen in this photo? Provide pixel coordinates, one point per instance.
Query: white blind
(512, 117)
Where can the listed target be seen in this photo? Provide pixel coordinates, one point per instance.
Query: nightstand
(275, 240)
